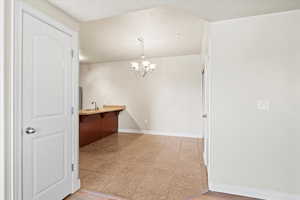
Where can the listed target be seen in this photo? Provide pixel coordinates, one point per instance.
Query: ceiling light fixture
(142, 67)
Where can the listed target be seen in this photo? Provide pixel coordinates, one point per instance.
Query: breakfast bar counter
(97, 124)
(105, 109)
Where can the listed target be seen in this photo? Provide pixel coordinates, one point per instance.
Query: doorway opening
(142, 137)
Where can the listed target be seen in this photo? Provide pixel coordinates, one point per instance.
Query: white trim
(21, 7)
(75, 139)
(208, 104)
(256, 16)
(16, 107)
(210, 107)
(163, 133)
(205, 104)
(254, 193)
(2, 100)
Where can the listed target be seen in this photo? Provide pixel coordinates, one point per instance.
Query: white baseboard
(153, 132)
(254, 193)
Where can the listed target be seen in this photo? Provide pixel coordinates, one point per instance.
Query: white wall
(255, 151)
(54, 12)
(169, 99)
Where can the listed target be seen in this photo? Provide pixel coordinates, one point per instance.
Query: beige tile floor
(146, 167)
(221, 196)
(90, 195)
(138, 167)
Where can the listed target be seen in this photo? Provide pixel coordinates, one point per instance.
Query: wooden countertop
(105, 109)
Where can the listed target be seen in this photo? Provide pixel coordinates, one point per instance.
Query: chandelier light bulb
(146, 63)
(135, 65)
(153, 66)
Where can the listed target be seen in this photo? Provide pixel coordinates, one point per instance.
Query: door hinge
(72, 53)
(72, 110)
(73, 167)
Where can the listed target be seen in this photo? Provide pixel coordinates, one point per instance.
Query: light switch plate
(263, 105)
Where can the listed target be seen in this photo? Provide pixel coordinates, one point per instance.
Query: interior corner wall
(54, 12)
(167, 102)
(255, 69)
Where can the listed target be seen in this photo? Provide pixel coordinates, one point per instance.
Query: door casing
(2, 100)
(16, 149)
(208, 120)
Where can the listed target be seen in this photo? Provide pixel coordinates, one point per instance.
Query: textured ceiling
(212, 10)
(109, 28)
(166, 31)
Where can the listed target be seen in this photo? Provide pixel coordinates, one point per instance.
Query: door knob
(204, 116)
(30, 130)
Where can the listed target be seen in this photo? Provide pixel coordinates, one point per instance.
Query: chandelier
(142, 67)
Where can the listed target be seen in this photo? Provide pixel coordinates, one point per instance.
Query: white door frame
(208, 70)
(205, 113)
(2, 100)
(20, 8)
(208, 125)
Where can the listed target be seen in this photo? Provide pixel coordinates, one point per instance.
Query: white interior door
(47, 102)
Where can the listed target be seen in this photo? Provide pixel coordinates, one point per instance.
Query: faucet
(95, 103)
